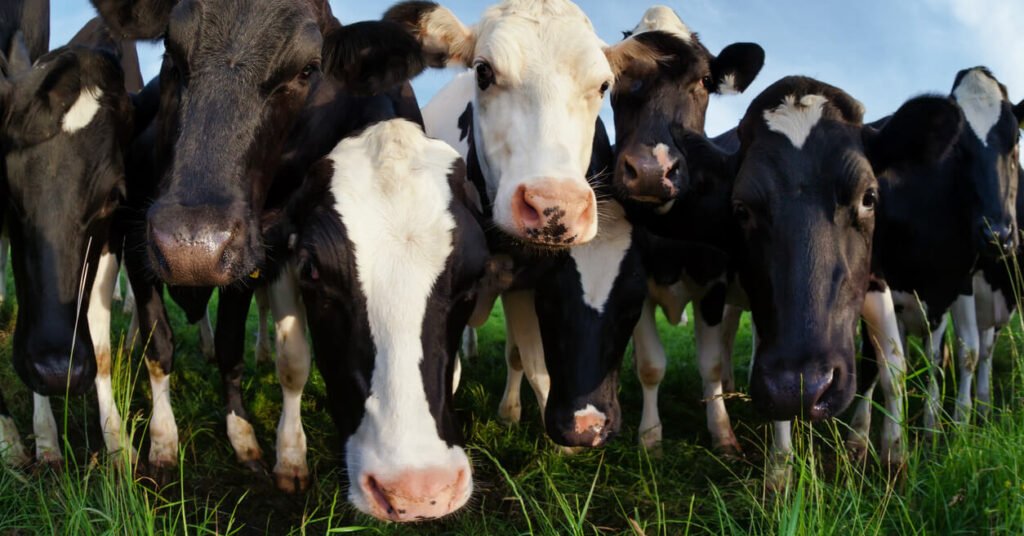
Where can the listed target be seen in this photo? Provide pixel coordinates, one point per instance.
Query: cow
(651, 175)
(388, 255)
(250, 95)
(66, 124)
(938, 219)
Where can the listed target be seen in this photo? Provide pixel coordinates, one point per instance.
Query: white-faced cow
(388, 256)
(251, 94)
(66, 124)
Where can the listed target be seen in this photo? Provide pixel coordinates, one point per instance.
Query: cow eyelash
(484, 74)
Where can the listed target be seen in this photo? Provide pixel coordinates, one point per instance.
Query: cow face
(668, 81)
(234, 80)
(388, 262)
(991, 150)
(587, 306)
(541, 74)
(65, 125)
(804, 200)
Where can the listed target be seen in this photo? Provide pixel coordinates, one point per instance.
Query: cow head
(389, 259)
(587, 306)
(669, 81)
(236, 75)
(541, 75)
(65, 125)
(990, 146)
(804, 199)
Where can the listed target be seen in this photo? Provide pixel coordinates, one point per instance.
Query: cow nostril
(379, 495)
(629, 170)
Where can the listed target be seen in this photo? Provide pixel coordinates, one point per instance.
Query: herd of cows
(282, 154)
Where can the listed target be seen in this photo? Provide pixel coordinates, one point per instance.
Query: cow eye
(604, 87)
(308, 71)
(484, 75)
(870, 198)
(705, 82)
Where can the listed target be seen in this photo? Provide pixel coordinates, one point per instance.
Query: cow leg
(263, 352)
(470, 345)
(510, 409)
(293, 362)
(521, 316)
(778, 471)
(860, 427)
(988, 343)
(206, 344)
(933, 403)
(968, 346)
(229, 341)
(12, 450)
(45, 429)
(128, 306)
(879, 313)
(649, 358)
(709, 361)
(730, 326)
(99, 328)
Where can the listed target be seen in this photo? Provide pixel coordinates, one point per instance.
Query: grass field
(971, 482)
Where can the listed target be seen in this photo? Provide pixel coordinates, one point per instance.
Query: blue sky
(881, 52)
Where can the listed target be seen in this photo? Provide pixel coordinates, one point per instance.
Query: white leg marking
(293, 362)
(263, 351)
(880, 314)
(936, 371)
(649, 357)
(206, 339)
(470, 345)
(709, 361)
(163, 431)
(521, 316)
(129, 298)
(99, 328)
(242, 439)
(988, 344)
(860, 427)
(777, 474)
(968, 346)
(456, 375)
(45, 429)
(510, 409)
(12, 450)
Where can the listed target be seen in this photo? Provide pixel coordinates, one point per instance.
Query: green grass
(971, 482)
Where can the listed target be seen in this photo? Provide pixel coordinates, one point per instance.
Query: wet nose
(648, 178)
(197, 246)
(555, 212)
(809, 389)
(417, 494)
(587, 427)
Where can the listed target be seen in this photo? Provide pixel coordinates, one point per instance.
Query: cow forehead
(663, 19)
(795, 117)
(981, 100)
(522, 38)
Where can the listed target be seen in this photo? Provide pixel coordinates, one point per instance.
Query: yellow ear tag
(255, 274)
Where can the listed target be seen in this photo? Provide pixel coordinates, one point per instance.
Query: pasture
(970, 482)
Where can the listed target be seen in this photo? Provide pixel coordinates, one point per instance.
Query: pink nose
(417, 494)
(555, 212)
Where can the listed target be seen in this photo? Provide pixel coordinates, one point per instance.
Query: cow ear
(642, 54)
(702, 156)
(372, 57)
(1018, 112)
(136, 19)
(922, 130)
(736, 66)
(19, 61)
(444, 38)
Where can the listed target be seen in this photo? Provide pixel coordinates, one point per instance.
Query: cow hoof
(857, 452)
(651, 439)
(509, 416)
(292, 481)
(160, 459)
(778, 475)
(570, 451)
(728, 447)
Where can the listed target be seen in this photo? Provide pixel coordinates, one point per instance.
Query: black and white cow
(250, 96)
(652, 175)
(937, 219)
(389, 256)
(66, 124)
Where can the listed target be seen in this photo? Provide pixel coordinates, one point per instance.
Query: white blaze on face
(598, 262)
(663, 19)
(392, 194)
(981, 100)
(536, 122)
(83, 110)
(795, 119)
